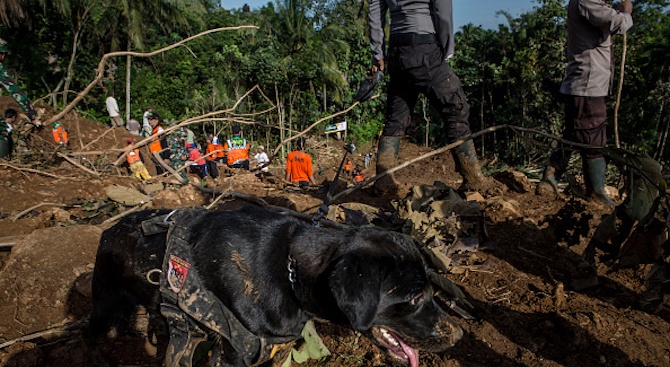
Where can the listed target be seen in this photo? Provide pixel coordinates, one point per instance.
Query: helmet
(129, 140)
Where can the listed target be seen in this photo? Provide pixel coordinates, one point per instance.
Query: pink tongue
(412, 354)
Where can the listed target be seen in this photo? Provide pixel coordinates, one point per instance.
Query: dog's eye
(417, 299)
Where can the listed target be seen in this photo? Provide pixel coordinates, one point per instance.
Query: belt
(409, 39)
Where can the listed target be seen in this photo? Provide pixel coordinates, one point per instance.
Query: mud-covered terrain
(526, 311)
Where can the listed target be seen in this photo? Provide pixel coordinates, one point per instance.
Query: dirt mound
(46, 279)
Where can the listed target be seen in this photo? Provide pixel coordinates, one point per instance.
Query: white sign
(333, 128)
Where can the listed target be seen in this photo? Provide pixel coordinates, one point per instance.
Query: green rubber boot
(594, 179)
(387, 158)
(467, 164)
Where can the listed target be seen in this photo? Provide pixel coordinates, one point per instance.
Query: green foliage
(309, 57)
(312, 348)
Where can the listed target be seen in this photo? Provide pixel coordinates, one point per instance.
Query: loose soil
(526, 312)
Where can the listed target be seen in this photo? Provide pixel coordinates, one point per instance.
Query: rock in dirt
(55, 215)
(509, 208)
(41, 274)
(174, 198)
(126, 195)
(515, 180)
(153, 188)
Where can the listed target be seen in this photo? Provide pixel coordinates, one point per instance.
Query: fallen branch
(37, 206)
(412, 161)
(74, 163)
(168, 168)
(617, 103)
(100, 71)
(129, 211)
(24, 169)
(218, 198)
(96, 152)
(59, 330)
(310, 127)
(98, 138)
(463, 139)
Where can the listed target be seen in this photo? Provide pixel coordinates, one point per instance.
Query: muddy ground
(526, 312)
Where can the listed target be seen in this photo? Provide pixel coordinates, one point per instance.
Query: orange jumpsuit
(59, 134)
(299, 166)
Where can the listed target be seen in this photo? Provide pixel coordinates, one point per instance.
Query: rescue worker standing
(238, 150)
(134, 158)
(6, 145)
(422, 37)
(299, 166)
(587, 82)
(177, 150)
(212, 154)
(6, 129)
(158, 145)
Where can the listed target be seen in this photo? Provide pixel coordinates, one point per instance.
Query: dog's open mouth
(396, 347)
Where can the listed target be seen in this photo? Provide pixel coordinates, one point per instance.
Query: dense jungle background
(310, 56)
(293, 64)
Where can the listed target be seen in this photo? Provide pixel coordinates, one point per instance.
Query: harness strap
(192, 309)
(185, 335)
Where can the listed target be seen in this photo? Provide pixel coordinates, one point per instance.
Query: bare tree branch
(100, 71)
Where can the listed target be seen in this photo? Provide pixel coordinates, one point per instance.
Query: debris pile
(451, 228)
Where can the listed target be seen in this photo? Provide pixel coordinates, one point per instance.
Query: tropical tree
(129, 21)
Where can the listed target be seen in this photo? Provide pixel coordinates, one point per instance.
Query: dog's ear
(355, 283)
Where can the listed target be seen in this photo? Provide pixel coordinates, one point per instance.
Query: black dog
(275, 272)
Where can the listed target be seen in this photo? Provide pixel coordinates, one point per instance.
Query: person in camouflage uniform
(5, 137)
(9, 84)
(178, 154)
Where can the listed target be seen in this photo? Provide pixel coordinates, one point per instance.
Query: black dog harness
(192, 311)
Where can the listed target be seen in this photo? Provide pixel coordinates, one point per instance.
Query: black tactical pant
(420, 68)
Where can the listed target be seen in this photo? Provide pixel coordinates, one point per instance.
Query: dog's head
(381, 285)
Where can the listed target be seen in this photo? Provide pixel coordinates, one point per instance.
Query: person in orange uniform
(299, 166)
(357, 175)
(134, 158)
(158, 143)
(212, 153)
(238, 150)
(59, 134)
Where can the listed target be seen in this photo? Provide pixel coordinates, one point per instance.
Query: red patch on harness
(177, 271)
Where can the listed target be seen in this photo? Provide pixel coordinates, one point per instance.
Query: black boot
(553, 172)
(467, 165)
(387, 157)
(594, 179)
